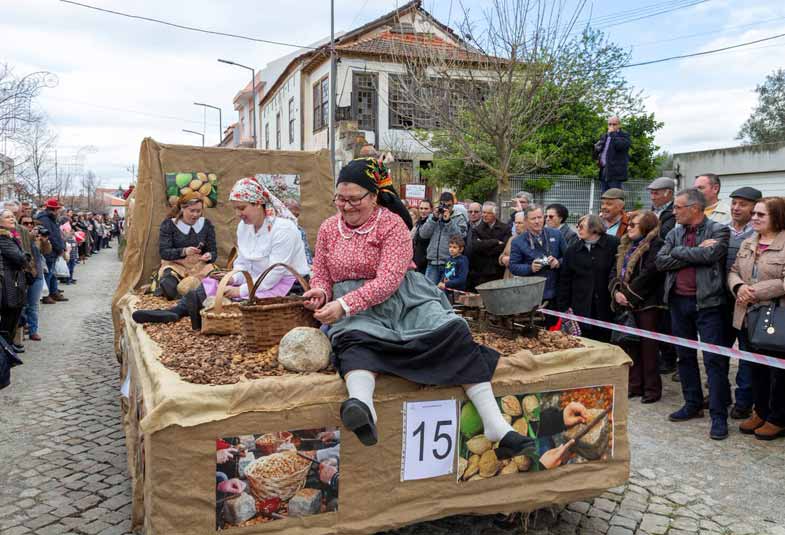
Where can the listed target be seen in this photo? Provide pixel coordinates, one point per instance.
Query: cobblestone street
(63, 454)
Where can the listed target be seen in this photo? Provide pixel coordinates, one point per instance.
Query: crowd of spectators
(691, 265)
(41, 249)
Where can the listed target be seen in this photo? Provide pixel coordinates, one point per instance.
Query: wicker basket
(278, 475)
(267, 320)
(224, 319)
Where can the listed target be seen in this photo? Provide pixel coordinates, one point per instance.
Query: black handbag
(766, 327)
(625, 318)
(8, 360)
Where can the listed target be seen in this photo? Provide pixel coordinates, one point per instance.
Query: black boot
(170, 315)
(513, 444)
(193, 304)
(356, 416)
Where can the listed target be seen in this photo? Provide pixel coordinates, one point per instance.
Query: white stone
(306, 502)
(304, 349)
(239, 508)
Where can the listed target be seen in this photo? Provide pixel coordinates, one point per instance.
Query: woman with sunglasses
(385, 317)
(39, 246)
(757, 278)
(636, 285)
(186, 244)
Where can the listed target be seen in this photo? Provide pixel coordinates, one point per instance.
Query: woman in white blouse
(266, 234)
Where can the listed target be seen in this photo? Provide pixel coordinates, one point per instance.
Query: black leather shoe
(513, 444)
(665, 368)
(155, 316)
(18, 348)
(650, 399)
(740, 413)
(356, 416)
(631, 395)
(684, 414)
(675, 377)
(193, 305)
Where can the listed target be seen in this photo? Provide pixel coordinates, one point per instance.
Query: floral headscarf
(250, 190)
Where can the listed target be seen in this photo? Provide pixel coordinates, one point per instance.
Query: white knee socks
(360, 384)
(495, 426)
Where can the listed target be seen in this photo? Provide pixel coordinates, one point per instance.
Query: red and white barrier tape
(693, 344)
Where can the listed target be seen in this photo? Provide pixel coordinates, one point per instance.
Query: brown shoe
(59, 297)
(48, 300)
(36, 337)
(769, 431)
(749, 425)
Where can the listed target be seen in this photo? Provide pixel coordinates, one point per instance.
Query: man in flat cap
(661, 194)
(612, 152)
(742, 203)
(612, 212)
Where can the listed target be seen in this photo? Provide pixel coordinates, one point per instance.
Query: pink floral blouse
(380, 251)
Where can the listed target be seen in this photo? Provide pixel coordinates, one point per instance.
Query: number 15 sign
(429, 430)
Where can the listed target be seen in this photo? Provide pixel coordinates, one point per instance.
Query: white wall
(758, 166)
(279, 103)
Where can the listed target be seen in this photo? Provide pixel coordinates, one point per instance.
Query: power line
(711, 32)
(654, 14)
(705, 52)
(189, 28)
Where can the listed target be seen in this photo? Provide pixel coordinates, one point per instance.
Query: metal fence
(580, 195)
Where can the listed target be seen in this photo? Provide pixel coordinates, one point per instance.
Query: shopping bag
(61, 268)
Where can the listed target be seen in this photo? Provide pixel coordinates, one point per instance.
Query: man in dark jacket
(661, 194)
(693, 259)
(612, 155)
(538, 251)
(48, 219)
(488, 240)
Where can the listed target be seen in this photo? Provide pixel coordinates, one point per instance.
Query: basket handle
(219, 293)
(300, 279)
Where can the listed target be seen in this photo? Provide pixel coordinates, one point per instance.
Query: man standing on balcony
(612, 153)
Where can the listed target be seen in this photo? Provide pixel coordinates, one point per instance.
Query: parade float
(222, 437)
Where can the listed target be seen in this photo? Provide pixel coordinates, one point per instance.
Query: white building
(295, 90)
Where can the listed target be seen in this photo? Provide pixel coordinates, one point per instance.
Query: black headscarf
(374, 176)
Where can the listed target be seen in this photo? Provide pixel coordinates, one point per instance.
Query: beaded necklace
(359, 230)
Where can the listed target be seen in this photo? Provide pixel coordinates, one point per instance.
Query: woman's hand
(314, 299)
(205, 257)
(440, 286)
(225, 455)
(575, 413)
(329, 313)
(553, 262)
(556, 456)
(505, 261)
(190, 251)
(232, 292)
(621, 299)
(746, 295)
(536, 266)
(231, 486)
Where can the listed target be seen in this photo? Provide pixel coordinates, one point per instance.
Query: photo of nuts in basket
(276, 475)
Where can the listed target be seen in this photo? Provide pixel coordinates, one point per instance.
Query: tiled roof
(423, 45)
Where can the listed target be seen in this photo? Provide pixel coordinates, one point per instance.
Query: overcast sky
(121, 80)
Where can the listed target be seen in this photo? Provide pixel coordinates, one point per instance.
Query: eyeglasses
(683, 206)
(340, 201)
(581, 226)
(759, 214)
(474, 211)
(27, 223)
(550, 216)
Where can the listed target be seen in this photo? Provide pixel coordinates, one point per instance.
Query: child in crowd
(456, 269)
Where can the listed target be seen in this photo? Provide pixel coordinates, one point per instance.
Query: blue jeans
(51, 278)
(434, 273)
(689, 322)
(31, 308)
(744, 397)
(72, 263)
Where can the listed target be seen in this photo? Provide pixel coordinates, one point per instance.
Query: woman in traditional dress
(385, 317)
(266, 234)
(186, 244)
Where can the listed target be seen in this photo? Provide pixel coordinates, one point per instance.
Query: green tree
(767, 122)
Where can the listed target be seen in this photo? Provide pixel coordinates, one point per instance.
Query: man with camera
(439, 228)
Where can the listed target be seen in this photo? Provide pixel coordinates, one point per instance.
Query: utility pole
(333, 77)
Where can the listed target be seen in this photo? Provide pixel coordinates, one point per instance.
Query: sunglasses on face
(27, 223)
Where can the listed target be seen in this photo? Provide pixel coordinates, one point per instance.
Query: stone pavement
(63, 455)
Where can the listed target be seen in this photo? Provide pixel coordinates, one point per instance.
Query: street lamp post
(253, 93)
(197, 133)
(220, 119)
